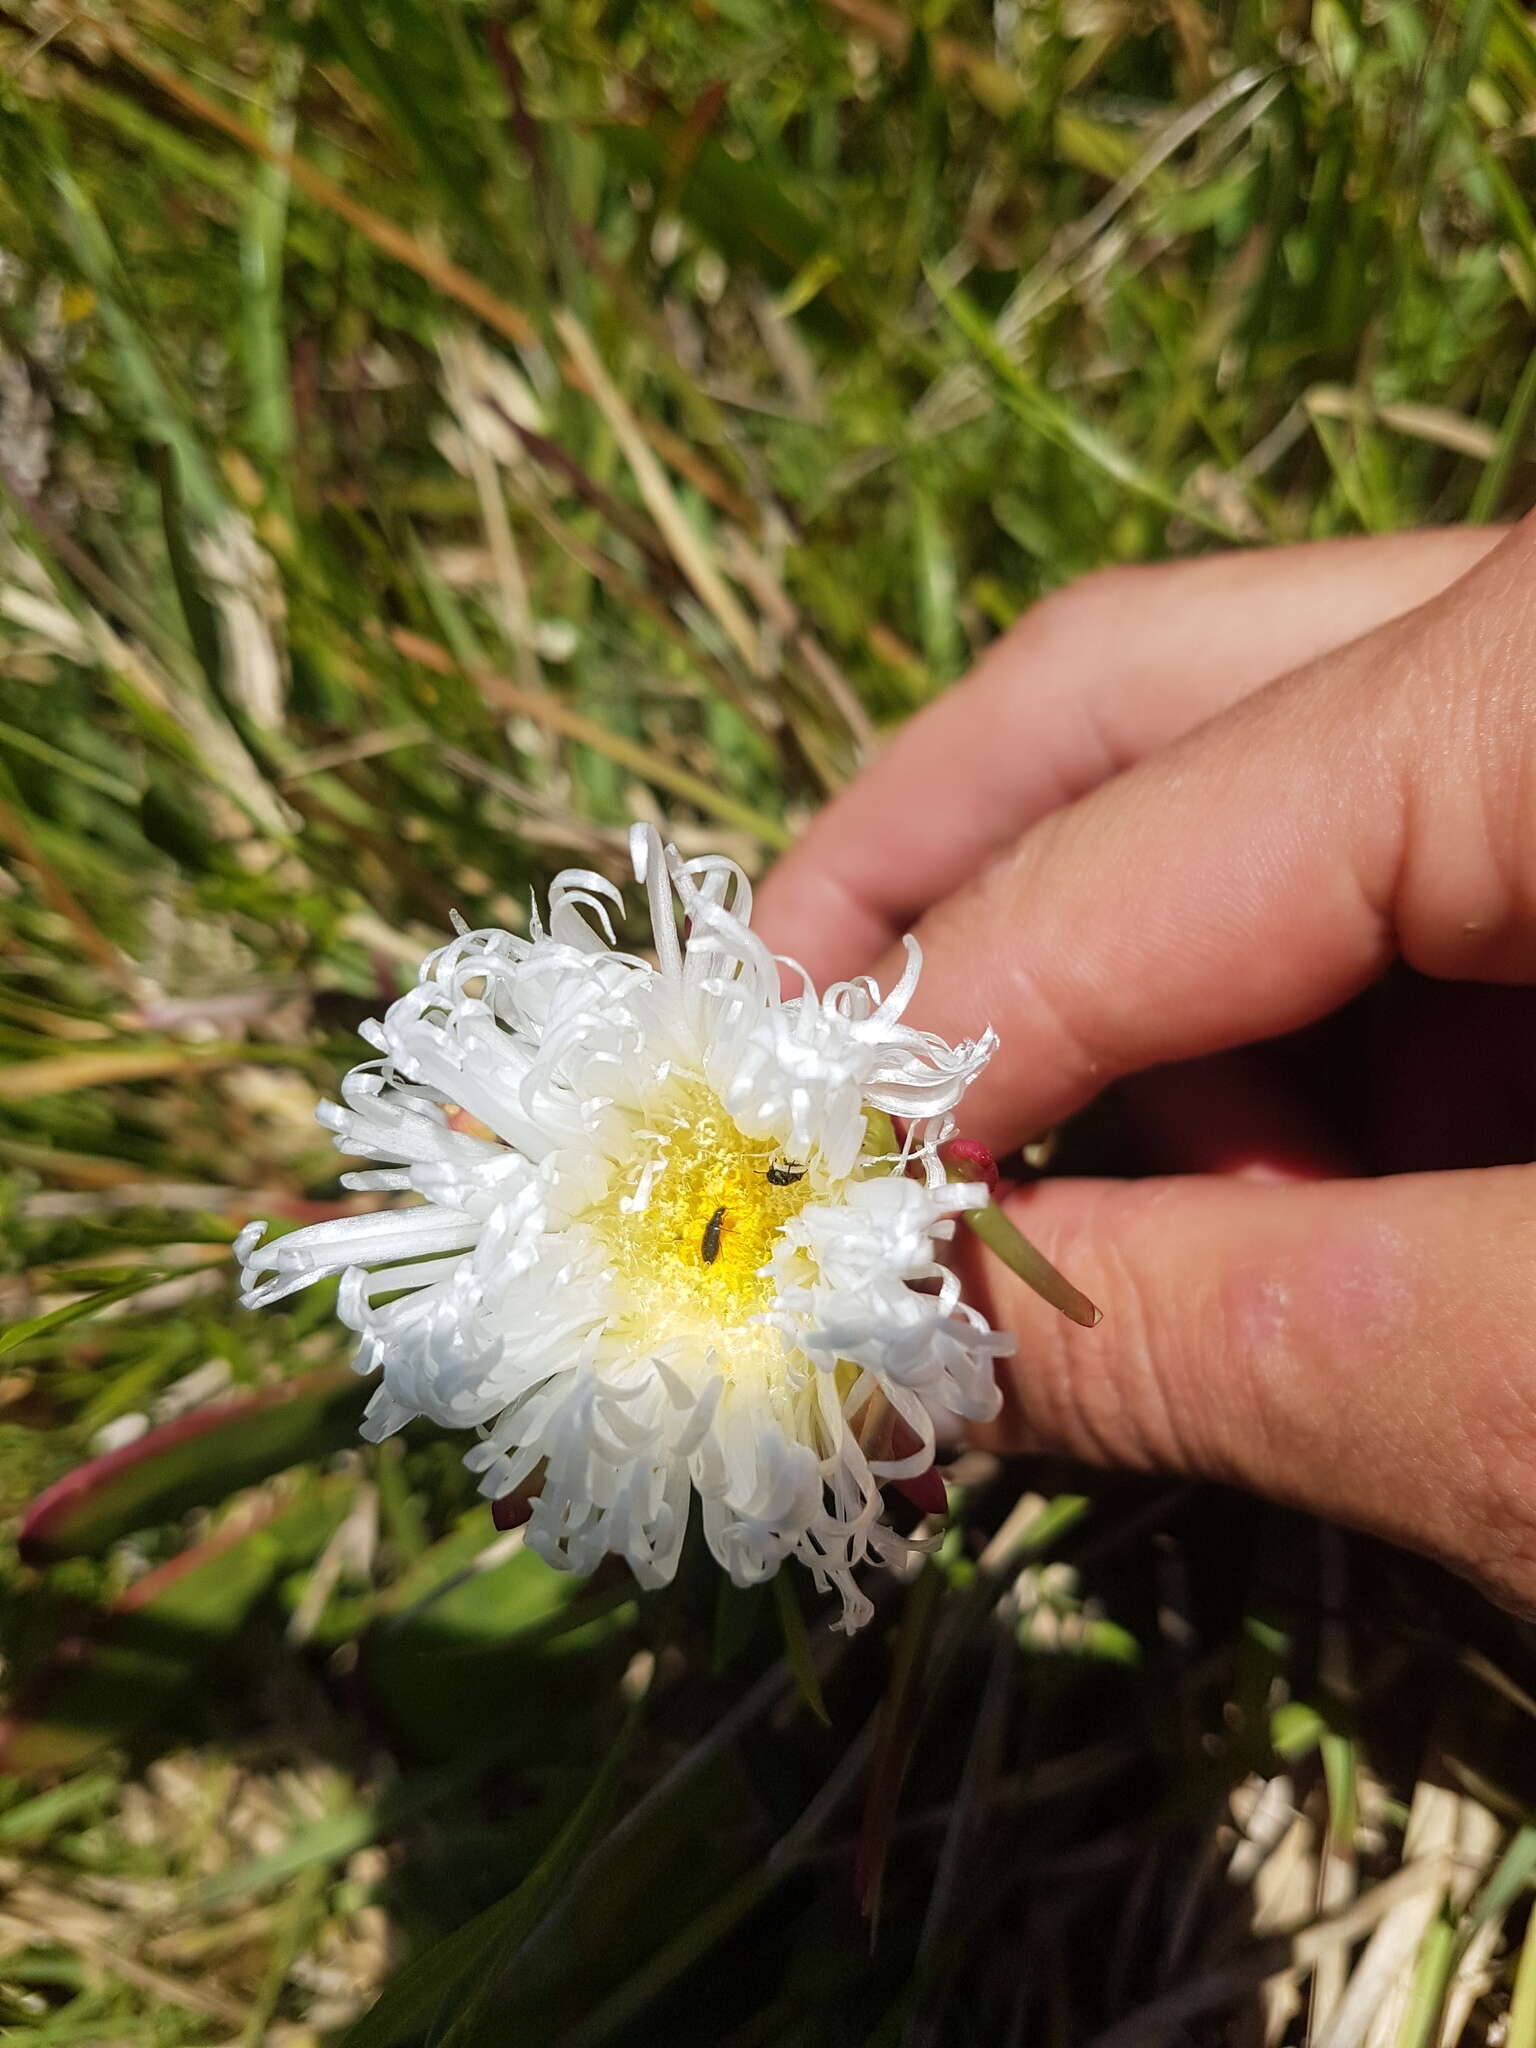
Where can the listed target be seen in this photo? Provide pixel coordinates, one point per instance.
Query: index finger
(1255, 875)
(1092, 679)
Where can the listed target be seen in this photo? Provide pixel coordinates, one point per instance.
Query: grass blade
(419, 1994)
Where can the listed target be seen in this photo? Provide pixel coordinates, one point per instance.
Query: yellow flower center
(689, 1260)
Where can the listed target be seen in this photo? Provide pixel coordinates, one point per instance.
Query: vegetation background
(431, 434)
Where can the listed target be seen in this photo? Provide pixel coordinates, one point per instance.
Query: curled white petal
(650, 1250)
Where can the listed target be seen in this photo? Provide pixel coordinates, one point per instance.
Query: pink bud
(968, 1159)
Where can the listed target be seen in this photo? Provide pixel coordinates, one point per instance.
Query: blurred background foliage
(432, 434)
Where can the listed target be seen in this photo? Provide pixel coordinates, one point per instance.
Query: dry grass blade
(688, 548)
(14, 834)
(443, 275)
(36, 1912)
(1165, 2019)
(1377, 1989)
(63, 1073)
(557, 717)
(1079, 250)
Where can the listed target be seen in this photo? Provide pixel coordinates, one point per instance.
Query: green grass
(431, 435)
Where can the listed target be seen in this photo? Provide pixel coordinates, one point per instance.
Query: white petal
(496, 1303)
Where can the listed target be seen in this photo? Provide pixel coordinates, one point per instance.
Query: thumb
(1357, 1348)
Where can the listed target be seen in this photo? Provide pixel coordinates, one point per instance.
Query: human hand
(1187, 809)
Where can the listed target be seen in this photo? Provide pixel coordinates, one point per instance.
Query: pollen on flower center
(692, 1218)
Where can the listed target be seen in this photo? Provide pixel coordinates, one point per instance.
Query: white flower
(657, 1248)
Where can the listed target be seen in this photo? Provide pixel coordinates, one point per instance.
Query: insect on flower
(661, 1245)
(709, 1250)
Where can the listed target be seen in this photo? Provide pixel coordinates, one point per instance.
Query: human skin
(1185, 810)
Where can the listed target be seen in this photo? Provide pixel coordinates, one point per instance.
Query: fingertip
(1354, 1348)
(808, 912)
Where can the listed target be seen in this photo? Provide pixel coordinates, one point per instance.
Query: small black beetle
(709, 1250)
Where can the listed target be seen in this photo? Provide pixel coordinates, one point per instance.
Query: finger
(1259, 872)
(1358, 1348)
(1091, 679)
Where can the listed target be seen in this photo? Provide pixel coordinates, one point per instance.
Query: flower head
(663, 1241)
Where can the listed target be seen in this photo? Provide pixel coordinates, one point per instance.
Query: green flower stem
(1001, 1237)
(1009, 1243)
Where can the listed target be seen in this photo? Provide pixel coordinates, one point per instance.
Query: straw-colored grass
(433, 433)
